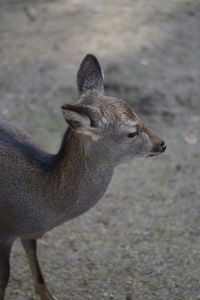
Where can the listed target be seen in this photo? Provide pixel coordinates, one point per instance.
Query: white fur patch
(129, 126)
(131, 123)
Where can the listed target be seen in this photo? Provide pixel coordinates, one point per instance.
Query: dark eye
(133, 134)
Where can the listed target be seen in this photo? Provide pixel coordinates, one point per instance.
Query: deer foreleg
(30, 246)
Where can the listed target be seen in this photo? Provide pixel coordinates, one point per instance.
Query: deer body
(72, 188)
(39, 191)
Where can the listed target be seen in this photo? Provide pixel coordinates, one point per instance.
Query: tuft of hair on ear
(90, 75)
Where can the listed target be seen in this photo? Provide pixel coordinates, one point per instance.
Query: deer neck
(78, 180)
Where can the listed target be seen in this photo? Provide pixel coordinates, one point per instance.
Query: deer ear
(90, 75)
(83, 119)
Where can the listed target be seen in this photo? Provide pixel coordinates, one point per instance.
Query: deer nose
(163, 146)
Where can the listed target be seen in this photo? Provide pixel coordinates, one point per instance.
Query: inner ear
(84, 114)
(90, 75)
(83, 119)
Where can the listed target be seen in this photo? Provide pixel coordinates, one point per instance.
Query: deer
(40, 190)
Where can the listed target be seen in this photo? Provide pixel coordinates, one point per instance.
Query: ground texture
(142, 241)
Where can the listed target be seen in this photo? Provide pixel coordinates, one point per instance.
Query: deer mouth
(154, 154)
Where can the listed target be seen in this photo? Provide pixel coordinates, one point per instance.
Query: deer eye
(133, 134)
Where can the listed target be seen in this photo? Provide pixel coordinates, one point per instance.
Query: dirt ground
(142, 240)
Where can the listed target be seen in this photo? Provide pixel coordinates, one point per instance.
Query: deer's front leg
(5, 248)
(30, 246)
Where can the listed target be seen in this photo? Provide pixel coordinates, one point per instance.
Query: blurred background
(142, 240)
